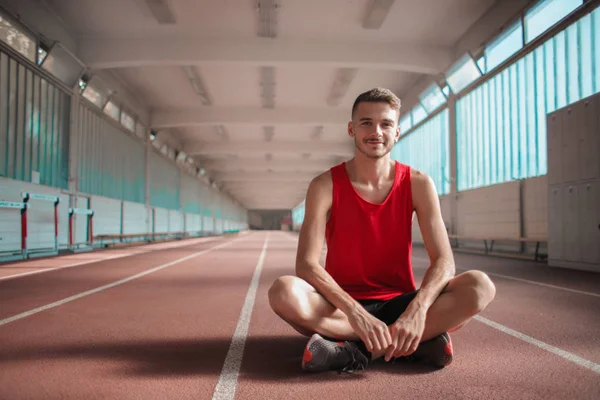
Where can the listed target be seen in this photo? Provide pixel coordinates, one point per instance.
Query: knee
(480, 290)
(281, 294)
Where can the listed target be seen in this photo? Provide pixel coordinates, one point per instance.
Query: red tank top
(369, 245)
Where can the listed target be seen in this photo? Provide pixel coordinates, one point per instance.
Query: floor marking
(562, 353)
(227, 383)
(525, 281)
(132, 253)
(111, 285)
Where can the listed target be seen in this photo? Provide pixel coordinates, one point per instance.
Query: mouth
(374, 142)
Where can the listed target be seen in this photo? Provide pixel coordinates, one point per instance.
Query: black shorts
(388, 311)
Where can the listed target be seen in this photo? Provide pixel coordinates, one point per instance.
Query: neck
(372, 171)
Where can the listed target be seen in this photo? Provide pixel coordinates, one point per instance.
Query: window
(507, 44)
(501, 125)
(405, 124)
(112, 110)
(545, 14)
(96, 92)
(432, 98)
(462, 74)
(128, 121)
(63, 64)
(17, 38)
(446, 91)
(418, 114)
(427, 149)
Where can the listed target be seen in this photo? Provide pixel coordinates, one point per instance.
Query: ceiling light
(197, 84)
(162, 11)
(377, 13)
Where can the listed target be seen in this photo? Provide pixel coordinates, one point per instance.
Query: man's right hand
(372, 331)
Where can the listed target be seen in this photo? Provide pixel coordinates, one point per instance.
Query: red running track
(160, 323)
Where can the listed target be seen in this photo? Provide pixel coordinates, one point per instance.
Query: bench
(139, 237)
(488, 243)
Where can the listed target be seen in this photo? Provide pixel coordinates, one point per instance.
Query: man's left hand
(406, 334)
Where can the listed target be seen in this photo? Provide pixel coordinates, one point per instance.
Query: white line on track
(111, 285)
(95, 260)
(227, 383)
(525, 280)
(562, 353)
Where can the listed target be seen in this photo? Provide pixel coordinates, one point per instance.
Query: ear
(350, 129)
(397, 136)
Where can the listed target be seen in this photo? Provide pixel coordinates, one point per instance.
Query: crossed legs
(308, 312)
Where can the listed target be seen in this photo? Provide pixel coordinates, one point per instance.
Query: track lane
(488, 363)
(563, 319)
(18, 269)
(164, 335)
(29, 292)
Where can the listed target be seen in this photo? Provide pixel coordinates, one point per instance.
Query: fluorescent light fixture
(61, 63)
(267, 18)
(197, 84)
(377, 13)
(162, 11)
(267, 85)
(342, 80)
(269, 132)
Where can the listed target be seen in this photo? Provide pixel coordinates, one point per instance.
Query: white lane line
(110, 285)
(227, 383)
(526, 281)
(132, 253)
(559, 352)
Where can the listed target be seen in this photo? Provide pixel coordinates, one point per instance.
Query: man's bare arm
(407, 331)
(437, 244)
(310, 244)
(372, 331)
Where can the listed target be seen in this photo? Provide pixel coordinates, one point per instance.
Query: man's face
(374, 128)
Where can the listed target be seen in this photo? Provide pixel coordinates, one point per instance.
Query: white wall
(535, 206)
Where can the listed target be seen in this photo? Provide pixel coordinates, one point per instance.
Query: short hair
(377, 95)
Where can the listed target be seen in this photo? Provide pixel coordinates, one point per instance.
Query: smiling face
(374, 127)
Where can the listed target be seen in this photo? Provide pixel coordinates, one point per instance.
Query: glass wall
(426, 148)
(501, 124)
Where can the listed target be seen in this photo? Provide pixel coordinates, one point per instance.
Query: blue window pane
(405, 123)
(545, 14)
(501, 125)
(432, 98)
(462, 74)
(418, 114)
(432, 135)
(507, 44)
(446, 91)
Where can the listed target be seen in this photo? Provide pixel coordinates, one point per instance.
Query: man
(364, 304)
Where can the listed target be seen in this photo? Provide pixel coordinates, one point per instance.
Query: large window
(464, 72)
(501, 125)
(426, 148)
(503, 47)
(16, 37)
(545, 14)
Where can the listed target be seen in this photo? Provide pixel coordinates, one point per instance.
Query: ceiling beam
(162, 119)
(101, 53)
(283, 147)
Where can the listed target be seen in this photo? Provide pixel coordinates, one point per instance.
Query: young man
(364, 304)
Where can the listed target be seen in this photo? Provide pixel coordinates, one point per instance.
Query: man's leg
(299, 304)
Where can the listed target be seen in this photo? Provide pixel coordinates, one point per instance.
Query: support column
(453, 164)
(149, 215)
(74, 134)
